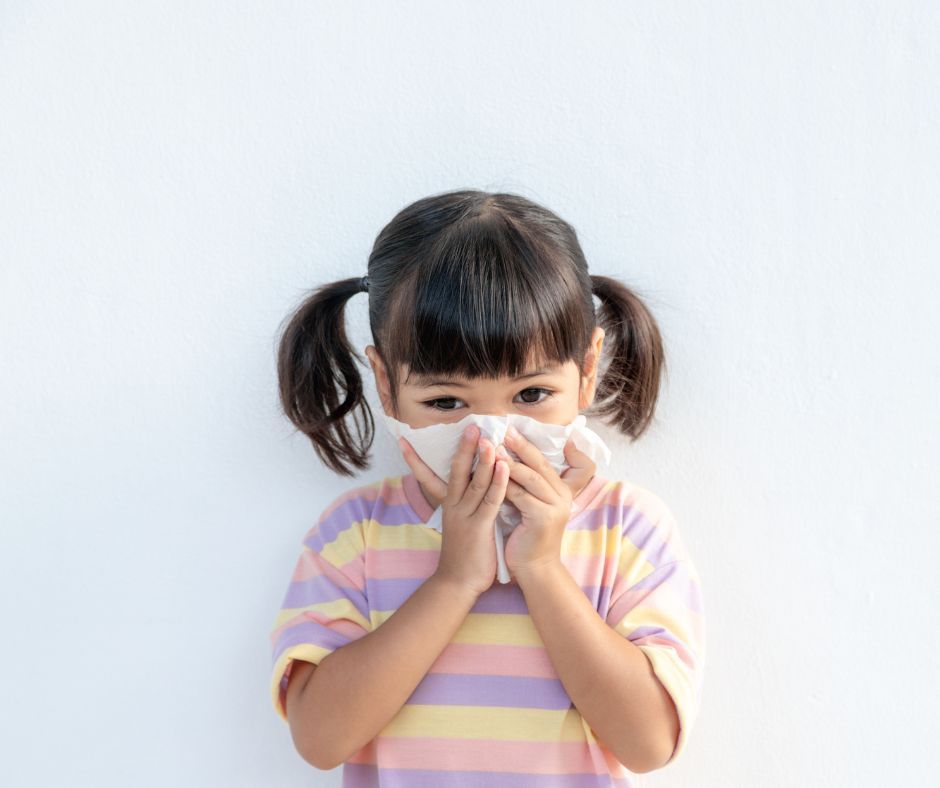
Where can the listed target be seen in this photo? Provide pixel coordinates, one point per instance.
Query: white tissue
(436, 446)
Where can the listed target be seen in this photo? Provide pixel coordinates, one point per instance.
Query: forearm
(609, 680)
(359, 688)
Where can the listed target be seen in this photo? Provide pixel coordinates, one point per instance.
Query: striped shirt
(491, 710)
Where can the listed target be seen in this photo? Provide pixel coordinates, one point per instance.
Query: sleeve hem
(672, 674)
(307, 652)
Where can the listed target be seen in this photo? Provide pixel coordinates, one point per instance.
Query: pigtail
(629, 387)
(315, 365)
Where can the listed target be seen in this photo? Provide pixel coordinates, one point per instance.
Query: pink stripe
(350, 575)
(397, 563)
(306, 567)
(345, 627)
(489, 755)
(309, 565)
(494, 660)
(368, 493)
(654, 640)
(415, 498)
(599, 568)
(418, 564)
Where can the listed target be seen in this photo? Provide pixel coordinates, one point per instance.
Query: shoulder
(352, 509)
(646, 520)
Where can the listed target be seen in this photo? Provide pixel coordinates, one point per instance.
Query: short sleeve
(657, 604)
(325, 606)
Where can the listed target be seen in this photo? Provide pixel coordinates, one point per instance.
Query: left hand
(544, 499)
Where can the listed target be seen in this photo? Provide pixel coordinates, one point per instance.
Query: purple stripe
(363, 775)
(525, 692)
(680, 581)
(396, 514)
(661, 632)
(506, 599)
(354, 511)
(645, 534)
(320, 590)
(631, 520)
(345, 516)
(308, 632)
(636, 526)
(391, 593)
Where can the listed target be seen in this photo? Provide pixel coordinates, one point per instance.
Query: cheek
(415, 415)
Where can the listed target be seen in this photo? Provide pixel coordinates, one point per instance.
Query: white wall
(173, 177)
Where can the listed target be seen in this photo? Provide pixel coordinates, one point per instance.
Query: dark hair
(493, 274)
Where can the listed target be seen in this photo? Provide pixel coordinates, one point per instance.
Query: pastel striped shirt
(492, 710)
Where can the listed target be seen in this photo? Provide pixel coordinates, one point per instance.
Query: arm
(357, 690)
(608, 678)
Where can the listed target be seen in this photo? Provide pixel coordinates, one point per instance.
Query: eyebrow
(425, 382)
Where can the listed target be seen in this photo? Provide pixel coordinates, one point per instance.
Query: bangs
(487, 303)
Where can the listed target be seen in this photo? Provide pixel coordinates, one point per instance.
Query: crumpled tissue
(436, 446)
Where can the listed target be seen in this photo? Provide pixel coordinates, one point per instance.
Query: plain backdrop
(175, 176)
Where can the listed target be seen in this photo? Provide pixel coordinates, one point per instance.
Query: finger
(581, 471)
(460, 465)
(434, 483)
(532, 481)
(524, 501)
(530, 454)
(577, 458)
(482, 476)
(496, 493)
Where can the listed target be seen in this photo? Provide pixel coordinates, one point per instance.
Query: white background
(174, 176)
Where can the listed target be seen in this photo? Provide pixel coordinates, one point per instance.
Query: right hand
(470, 503)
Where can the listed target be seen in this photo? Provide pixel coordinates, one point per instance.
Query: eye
(538, 401)
(448, 401)
(431, 403)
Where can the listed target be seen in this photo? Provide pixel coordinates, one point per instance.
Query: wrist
(453, 586)
(533, 574)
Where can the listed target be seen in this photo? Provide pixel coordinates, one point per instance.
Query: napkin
(436, 446)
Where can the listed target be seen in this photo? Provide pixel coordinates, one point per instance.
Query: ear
(382, 385)
(589, 373)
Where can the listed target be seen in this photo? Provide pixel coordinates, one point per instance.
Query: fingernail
(512, 432)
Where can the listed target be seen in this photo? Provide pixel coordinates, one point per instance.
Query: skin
(609, 679)
(571, 393)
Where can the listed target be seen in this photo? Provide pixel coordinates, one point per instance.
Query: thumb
(581, 469)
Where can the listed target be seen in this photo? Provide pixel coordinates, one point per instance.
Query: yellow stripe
(486, 722)
(681, 627)
(632, 564)
(408, 536)
(347, 545)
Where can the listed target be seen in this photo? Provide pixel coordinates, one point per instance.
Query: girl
(394, 652)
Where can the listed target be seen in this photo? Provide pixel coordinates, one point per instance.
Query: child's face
(554, 396)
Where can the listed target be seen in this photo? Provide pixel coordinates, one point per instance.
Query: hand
(544, 499)
(470, 505)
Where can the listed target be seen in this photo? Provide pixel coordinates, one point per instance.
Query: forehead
(443, 378)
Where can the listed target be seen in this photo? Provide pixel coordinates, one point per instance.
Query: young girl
(395, 653)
